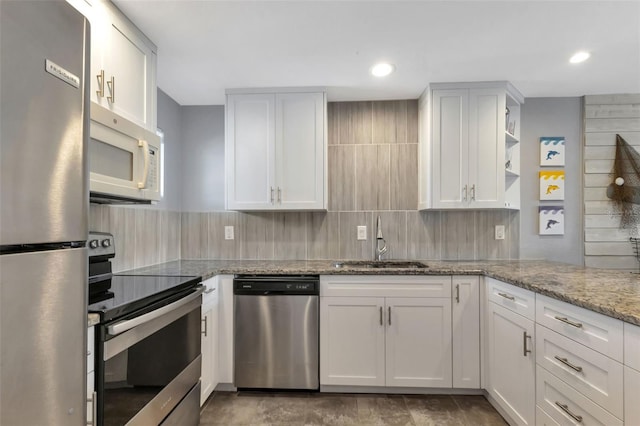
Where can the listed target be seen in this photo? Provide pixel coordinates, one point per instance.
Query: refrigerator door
(43, 327)
(43, 178)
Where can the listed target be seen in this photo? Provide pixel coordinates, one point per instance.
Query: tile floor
(288, 409)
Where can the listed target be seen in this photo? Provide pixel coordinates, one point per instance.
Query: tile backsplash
(373, 171)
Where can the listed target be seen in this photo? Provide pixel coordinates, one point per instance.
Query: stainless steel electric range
(147, 343)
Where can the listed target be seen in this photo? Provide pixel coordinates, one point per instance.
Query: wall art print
(552, 151)
(551, 185)
(551, 220)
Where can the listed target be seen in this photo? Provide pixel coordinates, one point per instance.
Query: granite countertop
(93, 319)
(610, 292)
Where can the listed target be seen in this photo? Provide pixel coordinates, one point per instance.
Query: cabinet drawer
(568, 406)
(385, 286)
(597, 331)
(596, 376)
(543, 419)
(91, 349)
(514, 298)
(632, 346)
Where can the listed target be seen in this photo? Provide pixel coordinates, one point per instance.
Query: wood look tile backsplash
(373, 171)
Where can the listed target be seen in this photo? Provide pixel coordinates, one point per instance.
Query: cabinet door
(250, 152)
(418, 347)
(450, 144)
(486, 148)
(352, 341)
(224, 287)
(466, 332)
(512, 370)
(206, 342)
(300, 150)
(631, 392)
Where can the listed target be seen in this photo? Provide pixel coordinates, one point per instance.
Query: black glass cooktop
(128, 295)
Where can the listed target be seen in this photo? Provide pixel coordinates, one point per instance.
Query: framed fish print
(551, 185)
(552, 151)
(551, 220)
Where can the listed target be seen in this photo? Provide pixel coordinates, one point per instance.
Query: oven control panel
(101, 244)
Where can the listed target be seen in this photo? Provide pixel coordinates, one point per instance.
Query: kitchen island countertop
(609, 292)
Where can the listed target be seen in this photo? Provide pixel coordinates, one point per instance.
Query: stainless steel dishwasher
(276, 332)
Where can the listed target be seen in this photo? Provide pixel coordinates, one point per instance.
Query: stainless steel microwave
(124, 160)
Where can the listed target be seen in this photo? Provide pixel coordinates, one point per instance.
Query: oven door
(149, 363)
(124, 158)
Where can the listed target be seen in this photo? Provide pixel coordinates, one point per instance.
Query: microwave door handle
(145, 149)
(122, 326)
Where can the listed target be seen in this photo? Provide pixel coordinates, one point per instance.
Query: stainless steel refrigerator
(43, 213)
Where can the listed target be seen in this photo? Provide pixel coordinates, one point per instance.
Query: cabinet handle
(145, 153)
(389, 315)
(506, 296)
(458, 293)
(272, 195)
(94, 408)
(565, 408)
(473, 192)
(464, 191)
(204, 320)
(100, 91)
(381, 323)
(211, 290)
(112, 89)
(279, 195)
(566, 362)
(568, 321)
(525, 351)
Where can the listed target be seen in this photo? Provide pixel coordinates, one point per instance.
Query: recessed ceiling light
(382, 69)
(579, 57)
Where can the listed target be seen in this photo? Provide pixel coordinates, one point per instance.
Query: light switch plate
(362, 232)
(499, 232)
(228, 233)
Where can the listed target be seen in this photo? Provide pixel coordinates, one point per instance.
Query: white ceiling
(207, 46)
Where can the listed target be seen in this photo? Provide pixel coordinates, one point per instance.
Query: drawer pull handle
(211, 290)
(568, 321)
(506, 296)
(525, 351)
(204, 321)
(566, 362)
(458, 293)
(389, 315)
(381, 323)
(565, 408)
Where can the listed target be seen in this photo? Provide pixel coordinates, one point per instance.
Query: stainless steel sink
(381, 264)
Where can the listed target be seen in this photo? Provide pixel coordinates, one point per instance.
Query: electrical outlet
(362, 232)
(499, 232)
(228, 232)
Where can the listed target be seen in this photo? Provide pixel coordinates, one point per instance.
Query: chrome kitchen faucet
(379, 239)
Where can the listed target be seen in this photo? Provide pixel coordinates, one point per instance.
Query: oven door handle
(122, 326)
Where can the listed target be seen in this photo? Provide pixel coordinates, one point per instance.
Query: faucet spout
(380, 250)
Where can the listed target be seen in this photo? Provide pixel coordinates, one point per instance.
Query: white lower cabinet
(224, 285)
(385, 341)
(631, 396)
(209, 340)
(511, 364)
(543, 419)
(465, 302)
(91, 386)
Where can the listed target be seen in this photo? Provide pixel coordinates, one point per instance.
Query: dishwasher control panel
(275, 285)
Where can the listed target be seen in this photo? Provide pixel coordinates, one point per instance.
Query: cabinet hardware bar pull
(389, 315)
(568, 321)
(381, 323)
(458, 293)
(464, 191)
(100, 91)
(272, 195)
(565, 408)
(204, 320)
(566, 362)
(506, 296)
(279, 195)
(112, 89)
(473, 192)
(94, 408)
(211, 290)
(525, 351)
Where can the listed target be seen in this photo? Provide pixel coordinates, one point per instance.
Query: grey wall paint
(202, 158)
(169, 121)
(551, 117)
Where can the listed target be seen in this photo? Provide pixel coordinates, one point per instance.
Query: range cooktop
(128, 294)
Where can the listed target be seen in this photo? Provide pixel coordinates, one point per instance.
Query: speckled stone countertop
(93, 319)
(610, 292)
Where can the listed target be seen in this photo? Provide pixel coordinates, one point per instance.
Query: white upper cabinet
(276, 150)
(123, 64)
(468, 159)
